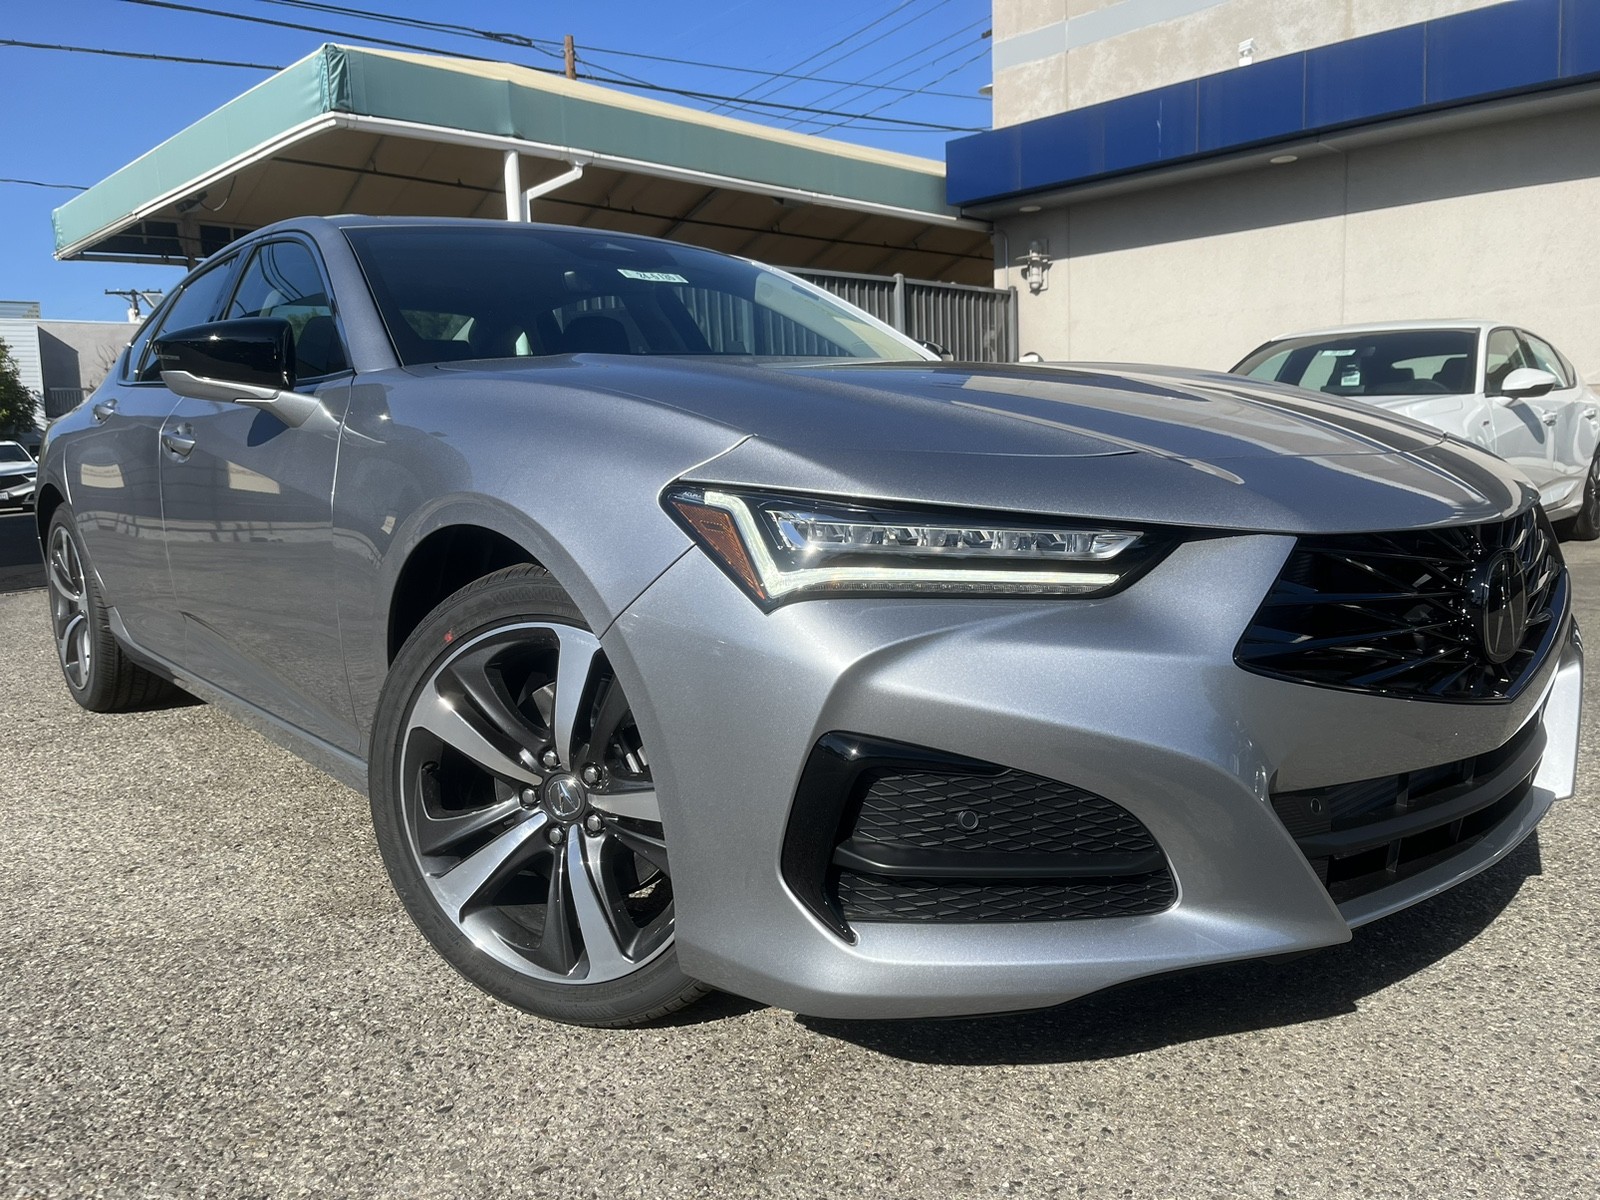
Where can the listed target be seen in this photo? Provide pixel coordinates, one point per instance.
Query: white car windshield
(1406, 362)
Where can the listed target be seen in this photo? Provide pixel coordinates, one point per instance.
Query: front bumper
(1134, 697)
(18, 493)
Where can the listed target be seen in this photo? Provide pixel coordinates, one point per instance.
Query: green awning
(356, 130)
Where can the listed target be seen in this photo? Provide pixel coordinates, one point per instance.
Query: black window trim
(129, 375)
(247, 254)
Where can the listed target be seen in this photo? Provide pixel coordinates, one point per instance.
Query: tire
(1584, 525)
(519, 825)
(100, 676)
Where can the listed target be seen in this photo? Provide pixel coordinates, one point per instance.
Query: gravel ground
(208, 990)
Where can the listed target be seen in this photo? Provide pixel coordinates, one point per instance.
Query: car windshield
(451, 293)
(11, 452)
(1405, 362)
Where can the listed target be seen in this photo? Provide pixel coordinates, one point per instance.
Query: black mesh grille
(877, 898)
(1404, 613)
(1363, 836)
(1007, 813)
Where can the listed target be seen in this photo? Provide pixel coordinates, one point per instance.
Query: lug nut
(550, 758)
(593, 823)
(555, 835)
(592, 774)
(529, 797)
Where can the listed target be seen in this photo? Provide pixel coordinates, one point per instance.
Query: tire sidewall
(518, 594)
(98, 693)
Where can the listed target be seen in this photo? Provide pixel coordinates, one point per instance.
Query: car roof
(1477, 323)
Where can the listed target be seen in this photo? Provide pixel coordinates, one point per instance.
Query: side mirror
(249, 361)
(1528, 381)
(935, 348)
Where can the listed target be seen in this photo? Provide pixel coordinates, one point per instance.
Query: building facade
(60, 362)
(1180, 180)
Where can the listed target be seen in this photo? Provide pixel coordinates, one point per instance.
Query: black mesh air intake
(1464, 614)
(1369, 834)
(883, 831)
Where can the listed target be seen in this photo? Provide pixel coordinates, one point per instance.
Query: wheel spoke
(475, 674)
(610, 708)
(574, 669)
(498, 858)
(639, 803)
(558, 948)
(61, 577)
(437, 835)
(459, 727)
(595, 907)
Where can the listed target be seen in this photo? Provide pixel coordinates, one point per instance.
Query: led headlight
(779, 547)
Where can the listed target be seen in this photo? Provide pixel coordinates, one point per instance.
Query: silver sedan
(689, 628)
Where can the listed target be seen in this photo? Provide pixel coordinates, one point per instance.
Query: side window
(1546, 359)
(282, 280)
(196, 303)
(1505, 356)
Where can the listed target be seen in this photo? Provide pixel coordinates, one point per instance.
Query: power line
(872, 112)
(549, 47)
(854, 33)
(690, 93)
(851, 53)
(172, 58)
(65, 187)
(963, 32)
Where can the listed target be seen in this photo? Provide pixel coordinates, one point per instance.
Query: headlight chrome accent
(780, 547)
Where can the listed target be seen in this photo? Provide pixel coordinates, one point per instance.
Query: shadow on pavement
(1213, 1001)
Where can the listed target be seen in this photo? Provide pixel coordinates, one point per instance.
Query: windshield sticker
(651, 276)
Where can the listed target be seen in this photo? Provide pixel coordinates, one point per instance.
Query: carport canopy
(348, 130)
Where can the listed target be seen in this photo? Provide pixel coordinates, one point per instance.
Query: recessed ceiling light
(1279, 160)
(1029, 208)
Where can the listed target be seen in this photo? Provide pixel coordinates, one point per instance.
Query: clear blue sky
(73, 118)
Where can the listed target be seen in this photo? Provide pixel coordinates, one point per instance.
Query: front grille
(1363, 836)
(883, 831)
(1429, 614)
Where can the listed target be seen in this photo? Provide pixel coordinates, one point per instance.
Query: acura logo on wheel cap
(1499, 606)
(565, 798)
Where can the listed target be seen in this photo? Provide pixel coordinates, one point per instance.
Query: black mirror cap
(254, 350)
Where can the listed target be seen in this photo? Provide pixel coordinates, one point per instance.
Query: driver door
(248, 504)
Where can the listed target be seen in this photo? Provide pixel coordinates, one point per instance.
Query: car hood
(1140, 443)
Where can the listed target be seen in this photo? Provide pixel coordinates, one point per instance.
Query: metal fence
(60, 401)
(971, 324)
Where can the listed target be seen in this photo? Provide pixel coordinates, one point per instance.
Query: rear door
(113, 472)
(248, 503)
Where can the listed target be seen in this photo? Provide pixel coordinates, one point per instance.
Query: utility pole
(135, 297)
(571, 57)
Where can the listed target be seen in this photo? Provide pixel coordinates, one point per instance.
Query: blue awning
(1520, 47)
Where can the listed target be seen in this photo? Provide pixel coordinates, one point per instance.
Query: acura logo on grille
(1498, 606)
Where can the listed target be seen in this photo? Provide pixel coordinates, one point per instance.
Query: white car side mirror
(1528, 381)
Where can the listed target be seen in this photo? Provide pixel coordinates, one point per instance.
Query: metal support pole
(898, 309)
(515, 208)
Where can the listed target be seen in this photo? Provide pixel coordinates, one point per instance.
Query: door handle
(178, 440)
(104, 408)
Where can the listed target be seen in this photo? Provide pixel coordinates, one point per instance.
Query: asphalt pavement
(208, 990)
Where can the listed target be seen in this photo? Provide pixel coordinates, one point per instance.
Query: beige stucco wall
(1170, 51)
(1499, 221)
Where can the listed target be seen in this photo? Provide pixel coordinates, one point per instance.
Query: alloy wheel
(529, 805)
(69, 609)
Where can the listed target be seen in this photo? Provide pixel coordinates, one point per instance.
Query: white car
(17, 472)
(1489, 383)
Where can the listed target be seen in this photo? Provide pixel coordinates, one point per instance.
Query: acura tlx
(688, 628)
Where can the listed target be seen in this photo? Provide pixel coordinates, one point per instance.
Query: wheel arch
(45, 504)
(441, 563)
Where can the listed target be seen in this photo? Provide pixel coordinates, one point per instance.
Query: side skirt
(343, 766)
